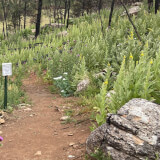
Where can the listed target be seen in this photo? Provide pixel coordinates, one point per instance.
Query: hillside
(112, 60)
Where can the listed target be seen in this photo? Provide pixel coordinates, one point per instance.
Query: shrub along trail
(38, 133)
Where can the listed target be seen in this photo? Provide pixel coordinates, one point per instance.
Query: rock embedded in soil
(27, 109)
(71, 156)
(2, 121)
(131, 134)
(70, 134)
(71, 144)
(64, 118)
(1, 114)
(38, 153)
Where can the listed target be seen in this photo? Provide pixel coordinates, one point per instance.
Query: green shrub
(136, 80)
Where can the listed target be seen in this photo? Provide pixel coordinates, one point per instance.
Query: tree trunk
(25, 13)
(156, 6)
(65, 11)
(19, 25)
(4, 31)
(131, 21)
(5, 17)
(69, 5)
(100, 6)
(50, 15)
(150, 4)
(38, 22)
(111, 12)
(55, 7)
(59, 12)
(83, 7)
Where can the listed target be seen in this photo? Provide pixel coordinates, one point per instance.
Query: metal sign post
(6, 71)
(5, 92)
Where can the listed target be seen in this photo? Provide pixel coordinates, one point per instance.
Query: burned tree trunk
(4, 31)
(5, 16)
(99, 6)
(65, 11)
(131, 21)
(150, 4)
(55, 8)
(83, 7)
(38, 22)
(69, 5)
(156, 6)
(111, 12)
(25, 13)
(19, 15)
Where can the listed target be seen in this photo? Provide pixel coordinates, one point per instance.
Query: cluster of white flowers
(58, 78)
(61, 78)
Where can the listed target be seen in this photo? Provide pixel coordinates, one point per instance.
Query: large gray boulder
(132, 11)
(131, 134)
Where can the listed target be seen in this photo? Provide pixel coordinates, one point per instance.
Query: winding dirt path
(40, 129)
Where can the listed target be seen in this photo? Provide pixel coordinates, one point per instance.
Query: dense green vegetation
(132, 66)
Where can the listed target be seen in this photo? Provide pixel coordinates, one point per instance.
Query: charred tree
(5, 16)
(131, 21)
(19, 15)
(65, 11)
(99, 6)
(83, 7)
(156, 6)
(69, 5)
(55, 9)
(111, 12)
(38, 22)
(4, 31)
(25, 13)
(150, 4)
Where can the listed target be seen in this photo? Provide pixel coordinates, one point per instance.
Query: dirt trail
(26, 132)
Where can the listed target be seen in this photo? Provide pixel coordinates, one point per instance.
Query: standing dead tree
(150, 4)
(131, 21)
(38, 22)
(156, 6)
(69, 5)
(111, 12)
(5, 18)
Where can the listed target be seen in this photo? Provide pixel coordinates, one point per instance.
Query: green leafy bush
(136, 80)
(63, 83)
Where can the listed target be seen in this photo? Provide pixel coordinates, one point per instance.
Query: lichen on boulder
(131, 134)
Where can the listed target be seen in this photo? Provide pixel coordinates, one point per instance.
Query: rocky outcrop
(132, 11)
(131, 134)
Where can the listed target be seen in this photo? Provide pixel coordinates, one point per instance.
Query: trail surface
(38, 133)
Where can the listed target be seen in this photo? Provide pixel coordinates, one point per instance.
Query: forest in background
(16, 15)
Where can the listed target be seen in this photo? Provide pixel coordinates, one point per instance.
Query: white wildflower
(62, 91)
(64, 79)
(65, 73)
(57, 78)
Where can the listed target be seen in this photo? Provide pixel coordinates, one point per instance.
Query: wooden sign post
(6, 71)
